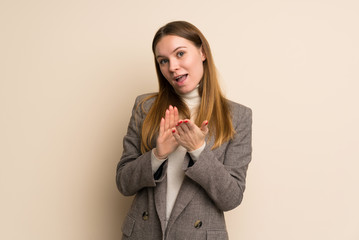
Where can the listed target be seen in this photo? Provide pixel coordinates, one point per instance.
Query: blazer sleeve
(134, 170)
(224, 181)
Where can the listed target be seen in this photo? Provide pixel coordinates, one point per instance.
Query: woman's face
(181, 62)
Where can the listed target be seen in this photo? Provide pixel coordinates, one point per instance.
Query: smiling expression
(181, 62)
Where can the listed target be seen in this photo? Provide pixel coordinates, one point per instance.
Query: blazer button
(145, 216)
(198, 224)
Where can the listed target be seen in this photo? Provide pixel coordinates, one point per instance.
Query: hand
(166, 143)
(189, 135)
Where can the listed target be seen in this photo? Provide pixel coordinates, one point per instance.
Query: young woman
(187, 148)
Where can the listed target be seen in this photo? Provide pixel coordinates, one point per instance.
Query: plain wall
(69, 75)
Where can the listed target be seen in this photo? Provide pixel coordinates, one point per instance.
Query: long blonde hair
(213, 106)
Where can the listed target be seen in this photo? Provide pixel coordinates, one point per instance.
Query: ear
(203, 54)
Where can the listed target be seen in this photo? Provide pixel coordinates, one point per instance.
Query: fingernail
(173, 131)
(206, 123)
(186, 121)
(180, 122)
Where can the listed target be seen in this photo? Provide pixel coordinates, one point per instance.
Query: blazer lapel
(160, 202)
(186, 193)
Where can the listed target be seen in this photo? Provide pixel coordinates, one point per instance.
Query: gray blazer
(213, 184)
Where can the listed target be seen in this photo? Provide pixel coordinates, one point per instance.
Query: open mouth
(181, 78)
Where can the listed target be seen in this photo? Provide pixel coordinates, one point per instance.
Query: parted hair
(213, 106)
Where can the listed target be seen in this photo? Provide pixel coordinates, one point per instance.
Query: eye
(180, 54)
(163, 61)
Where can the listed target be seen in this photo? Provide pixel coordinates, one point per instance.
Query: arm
(134, 171)
(225, 182)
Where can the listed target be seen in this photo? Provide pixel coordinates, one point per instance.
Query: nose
(173, 65)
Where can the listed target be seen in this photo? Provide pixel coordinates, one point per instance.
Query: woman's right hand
(166, 143)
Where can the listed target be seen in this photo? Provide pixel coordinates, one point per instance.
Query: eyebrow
(159, 56)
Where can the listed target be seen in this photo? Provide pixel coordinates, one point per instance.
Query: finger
(191, 126)
(162, 126)
(167, 122)
(184, 125)
(179, 123)
(176, 114)
(204, 127)
(175, 134)
(172, 117)
(179, 129)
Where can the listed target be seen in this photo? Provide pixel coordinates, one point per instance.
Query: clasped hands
(174, 132)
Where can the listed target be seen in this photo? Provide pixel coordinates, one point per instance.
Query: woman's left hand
(189, 135)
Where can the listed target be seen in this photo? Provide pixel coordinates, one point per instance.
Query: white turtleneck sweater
(175, 172)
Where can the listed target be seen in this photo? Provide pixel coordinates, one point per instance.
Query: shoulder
(145, 101)
(237, 108)
(239, 112)
(143, 97)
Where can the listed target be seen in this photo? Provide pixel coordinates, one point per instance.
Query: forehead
(169, 43)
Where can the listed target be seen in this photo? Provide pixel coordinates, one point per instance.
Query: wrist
(158, 156)
(196, 153)
(196, 147)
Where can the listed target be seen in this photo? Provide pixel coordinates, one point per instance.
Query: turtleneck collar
(192, 99)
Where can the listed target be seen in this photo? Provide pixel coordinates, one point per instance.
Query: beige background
(69, 74)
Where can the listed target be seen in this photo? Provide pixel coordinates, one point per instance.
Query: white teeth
(179, 77)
